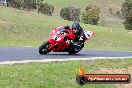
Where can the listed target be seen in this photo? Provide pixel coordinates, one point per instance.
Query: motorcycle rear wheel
(43, 49)
(72, 52)
(75, 49)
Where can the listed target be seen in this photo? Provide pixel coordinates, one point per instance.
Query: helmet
(75, 27)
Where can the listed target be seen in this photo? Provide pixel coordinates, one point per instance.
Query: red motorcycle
(61, 41)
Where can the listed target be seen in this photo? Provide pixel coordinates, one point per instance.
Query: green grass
(21, 28)
(54, 74)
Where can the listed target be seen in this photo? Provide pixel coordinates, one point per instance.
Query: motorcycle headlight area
(57, 38)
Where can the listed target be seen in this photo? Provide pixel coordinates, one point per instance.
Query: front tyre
(43, 49)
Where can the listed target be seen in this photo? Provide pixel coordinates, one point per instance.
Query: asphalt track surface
(31, 53)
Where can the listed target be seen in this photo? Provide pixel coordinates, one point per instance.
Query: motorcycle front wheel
(43, 49)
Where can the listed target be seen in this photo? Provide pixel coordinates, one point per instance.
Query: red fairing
(58, 41)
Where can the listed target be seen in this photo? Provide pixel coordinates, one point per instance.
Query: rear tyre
(43, 49)
(72, 52)
(75, 49)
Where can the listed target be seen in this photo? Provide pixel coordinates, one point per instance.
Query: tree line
(91, 15)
